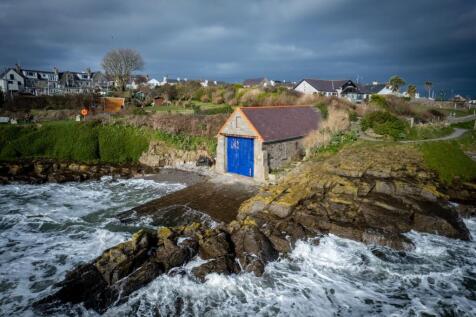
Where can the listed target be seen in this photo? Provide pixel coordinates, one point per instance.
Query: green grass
(464, 125)
(458, 112)
(449, 161)
(427, 132)
(468, 141)
(89, 142)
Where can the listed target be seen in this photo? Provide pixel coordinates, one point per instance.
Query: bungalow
(257, 140)
(339, 88)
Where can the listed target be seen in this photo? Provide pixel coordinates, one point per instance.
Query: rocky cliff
(373, 195)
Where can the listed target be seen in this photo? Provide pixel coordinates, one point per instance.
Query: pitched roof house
(11, 81)
(257, 140)
(339, 88)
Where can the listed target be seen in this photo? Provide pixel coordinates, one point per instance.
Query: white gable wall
(306, 88)
(237, 125)
(12, 81)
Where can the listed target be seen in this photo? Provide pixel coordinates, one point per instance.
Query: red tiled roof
(282, 123)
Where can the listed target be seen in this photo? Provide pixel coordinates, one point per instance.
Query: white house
(339, 88)
(11, 81)
(153, 82)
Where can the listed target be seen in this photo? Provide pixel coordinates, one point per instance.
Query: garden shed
(257, 140)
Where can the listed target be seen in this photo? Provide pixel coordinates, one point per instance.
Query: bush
(379, 101)
(337, 142)
(384, 123)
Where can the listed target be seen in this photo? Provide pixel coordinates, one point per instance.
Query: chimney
(18, 68)
(88, 71)
(55, 70)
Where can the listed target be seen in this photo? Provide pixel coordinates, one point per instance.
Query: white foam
(51, 228)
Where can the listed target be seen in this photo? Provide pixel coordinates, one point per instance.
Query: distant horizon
(232, 41)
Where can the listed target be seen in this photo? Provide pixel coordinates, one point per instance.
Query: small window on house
(19, 83)
(238, 122)
(12, 77)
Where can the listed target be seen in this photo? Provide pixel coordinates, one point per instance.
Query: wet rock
(253, 249)
(221, 265)
(46, 170)
(215, 246)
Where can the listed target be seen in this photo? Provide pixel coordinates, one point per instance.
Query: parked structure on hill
(257, 140)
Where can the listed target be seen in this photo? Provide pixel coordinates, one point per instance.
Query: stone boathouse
(257, 140)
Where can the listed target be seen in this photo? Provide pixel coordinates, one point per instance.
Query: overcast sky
(233, 40)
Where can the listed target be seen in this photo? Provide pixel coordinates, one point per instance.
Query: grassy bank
(448, 160)
(89, 142)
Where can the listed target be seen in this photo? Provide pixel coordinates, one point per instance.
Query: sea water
(46, 230)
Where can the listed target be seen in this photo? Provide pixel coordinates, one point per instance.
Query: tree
(120, 63)
(428, 85)
(411, 90)
(396, 82)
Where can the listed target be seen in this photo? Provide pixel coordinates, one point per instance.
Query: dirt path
(454, 135)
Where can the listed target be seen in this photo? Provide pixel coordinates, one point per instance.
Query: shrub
(379, 101)
(385, 123)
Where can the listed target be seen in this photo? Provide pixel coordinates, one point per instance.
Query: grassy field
(427, 132)
(205, 108)
(89, 142)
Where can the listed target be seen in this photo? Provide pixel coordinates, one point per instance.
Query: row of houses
(348, 89)
(54, 82)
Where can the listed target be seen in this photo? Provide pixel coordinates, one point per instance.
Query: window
(19, 83)
(237, 122)
(12, 77)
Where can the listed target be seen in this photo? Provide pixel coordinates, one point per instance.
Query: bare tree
(120, 63)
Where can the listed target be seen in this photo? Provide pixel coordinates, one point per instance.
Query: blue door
(240, 156)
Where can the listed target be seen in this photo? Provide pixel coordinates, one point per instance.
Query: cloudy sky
(233, 40)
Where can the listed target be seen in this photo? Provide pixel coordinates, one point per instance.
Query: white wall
(12, 81)
(305, 88)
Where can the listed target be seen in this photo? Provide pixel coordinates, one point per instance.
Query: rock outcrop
(45, 170)
(371, 195)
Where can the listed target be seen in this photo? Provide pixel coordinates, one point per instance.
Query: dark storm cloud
(419, 40)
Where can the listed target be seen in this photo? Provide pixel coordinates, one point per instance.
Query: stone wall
(161, 155)
(282, 153)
